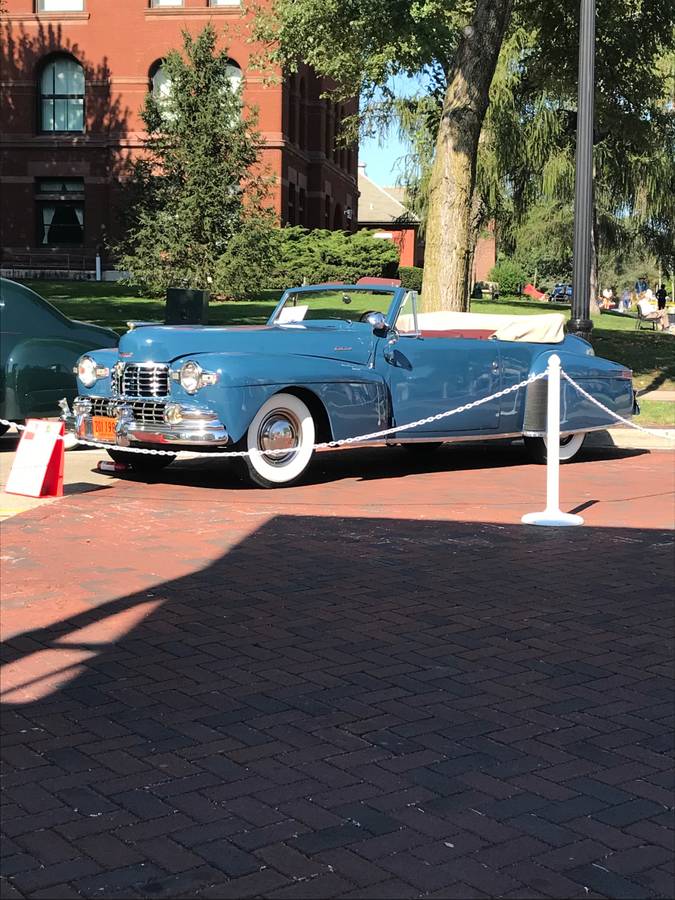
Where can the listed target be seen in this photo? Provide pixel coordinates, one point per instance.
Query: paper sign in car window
(292, 314)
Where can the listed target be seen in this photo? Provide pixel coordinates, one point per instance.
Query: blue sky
(381, 155)
(381, 158)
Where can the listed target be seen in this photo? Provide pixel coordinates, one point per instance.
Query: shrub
(411, 277)
(319, 255)
(509, 274)
(245, 266)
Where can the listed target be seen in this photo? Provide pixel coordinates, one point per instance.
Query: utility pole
(580, 322)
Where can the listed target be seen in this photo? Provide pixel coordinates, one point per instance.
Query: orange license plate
(103, 428)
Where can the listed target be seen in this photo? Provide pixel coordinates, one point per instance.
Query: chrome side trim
(565, 433)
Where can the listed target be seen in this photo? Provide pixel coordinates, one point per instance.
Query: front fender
(354, 397)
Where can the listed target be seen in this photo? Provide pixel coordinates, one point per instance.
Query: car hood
(350, 342)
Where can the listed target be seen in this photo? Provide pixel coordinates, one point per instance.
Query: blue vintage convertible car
(334, 362)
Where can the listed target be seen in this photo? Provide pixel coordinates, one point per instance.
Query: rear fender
(609, 382)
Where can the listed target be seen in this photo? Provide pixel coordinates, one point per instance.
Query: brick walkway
(348, 689)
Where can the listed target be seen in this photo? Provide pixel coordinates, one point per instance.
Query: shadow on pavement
(369, 464)
(353, 707)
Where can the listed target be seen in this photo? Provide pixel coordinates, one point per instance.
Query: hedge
(411, 277)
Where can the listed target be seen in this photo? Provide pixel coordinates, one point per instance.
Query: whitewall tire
(283, 424)
(570, 445)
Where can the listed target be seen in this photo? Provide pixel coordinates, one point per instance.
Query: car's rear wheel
(283, 424)
(570, 445)
(143, 463)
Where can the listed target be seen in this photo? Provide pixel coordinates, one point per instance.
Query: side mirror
(378, 323)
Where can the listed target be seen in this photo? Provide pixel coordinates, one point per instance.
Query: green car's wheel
(570, 445)
(143, 463)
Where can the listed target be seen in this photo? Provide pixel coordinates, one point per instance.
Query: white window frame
(49, 6)
(165, 4)
(217, 3)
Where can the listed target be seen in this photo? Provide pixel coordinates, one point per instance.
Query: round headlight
(190, 373)
(86, 371)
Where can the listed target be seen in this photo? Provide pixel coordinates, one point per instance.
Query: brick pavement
(320, 693)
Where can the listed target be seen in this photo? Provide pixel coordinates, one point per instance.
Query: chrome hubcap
(278, 431)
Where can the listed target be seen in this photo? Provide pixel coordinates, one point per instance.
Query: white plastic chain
(667, 433)
(323, 446)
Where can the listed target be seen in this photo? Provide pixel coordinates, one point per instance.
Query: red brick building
(74, 76)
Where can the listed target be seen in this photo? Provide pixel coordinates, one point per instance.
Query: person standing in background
(661, 296)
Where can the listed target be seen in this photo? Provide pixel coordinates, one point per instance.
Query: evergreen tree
(197, 181)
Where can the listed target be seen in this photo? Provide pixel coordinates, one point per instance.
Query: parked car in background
(335, 363)
(38, 348)
(561, 293)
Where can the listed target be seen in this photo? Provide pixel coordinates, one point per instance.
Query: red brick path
(376, 685)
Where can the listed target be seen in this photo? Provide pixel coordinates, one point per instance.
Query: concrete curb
(629, 439)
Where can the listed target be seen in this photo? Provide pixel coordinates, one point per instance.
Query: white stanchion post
(552, 515)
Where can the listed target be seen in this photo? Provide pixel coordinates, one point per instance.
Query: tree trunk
(448, 232)
(476, 221)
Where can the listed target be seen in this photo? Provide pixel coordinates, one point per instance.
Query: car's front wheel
(280, 441)
(143, 463)
(570, 445)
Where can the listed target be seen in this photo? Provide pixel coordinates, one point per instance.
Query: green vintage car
(38, 348)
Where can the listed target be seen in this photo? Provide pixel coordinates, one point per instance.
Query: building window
(326, 212)
(60, 212)
(160, 84)
(302, 116)
(62, 95)
(328, 133)
(338, 224)
(291, 204)
(234, 75)
(302, 200)
(156, 3)
(60, 5)
(224, 2)
(292, 108)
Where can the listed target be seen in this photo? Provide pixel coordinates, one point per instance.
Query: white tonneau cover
(547, 328)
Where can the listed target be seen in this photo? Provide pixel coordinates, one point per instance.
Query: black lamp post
(580, 322)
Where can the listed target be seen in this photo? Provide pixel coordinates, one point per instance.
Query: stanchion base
(554, 517)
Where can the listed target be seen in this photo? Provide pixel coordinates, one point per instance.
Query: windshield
(343, 304)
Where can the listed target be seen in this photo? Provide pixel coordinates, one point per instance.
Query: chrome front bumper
(197, 428)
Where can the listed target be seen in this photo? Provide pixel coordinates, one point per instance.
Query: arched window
(234, 75)
(62, 95)
(160, 83)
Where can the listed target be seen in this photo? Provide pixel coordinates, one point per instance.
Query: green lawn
(651, 355)
(656, 412)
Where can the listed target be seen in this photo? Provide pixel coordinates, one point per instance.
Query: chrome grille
(144, 412)
(141, 380)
